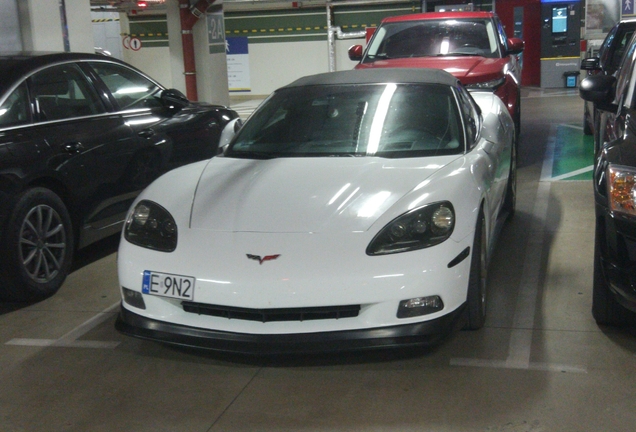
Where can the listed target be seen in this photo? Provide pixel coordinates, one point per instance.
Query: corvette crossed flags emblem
(263, 259)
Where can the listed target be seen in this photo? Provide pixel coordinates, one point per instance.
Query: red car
(472, 46)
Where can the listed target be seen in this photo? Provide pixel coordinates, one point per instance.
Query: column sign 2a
(216, 30)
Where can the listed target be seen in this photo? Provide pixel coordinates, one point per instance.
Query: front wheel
(476, 296)
(38, 246)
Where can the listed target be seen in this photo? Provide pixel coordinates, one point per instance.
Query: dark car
(472, 46)
(614, 289)
(606, 62)
(80, 136)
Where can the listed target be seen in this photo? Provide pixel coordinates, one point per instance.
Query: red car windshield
(431, 38)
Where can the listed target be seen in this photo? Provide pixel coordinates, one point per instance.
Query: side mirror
(229, 131)
(591, 64)
(515, 45)
(599, 89)
(174, 99)
(355, 53)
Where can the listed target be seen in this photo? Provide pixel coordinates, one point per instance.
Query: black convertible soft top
(382, 75)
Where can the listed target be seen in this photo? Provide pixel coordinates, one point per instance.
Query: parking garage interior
(541, 362)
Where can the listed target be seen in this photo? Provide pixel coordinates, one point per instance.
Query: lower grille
(270, 315)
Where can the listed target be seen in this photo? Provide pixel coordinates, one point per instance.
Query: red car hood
(468, 70)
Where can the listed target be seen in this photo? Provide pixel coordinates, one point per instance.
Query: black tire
(476, 296)
(38, 246)
(510, 200)
(605, 309)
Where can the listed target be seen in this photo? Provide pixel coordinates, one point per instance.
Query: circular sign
(135, 44)
(126, 42)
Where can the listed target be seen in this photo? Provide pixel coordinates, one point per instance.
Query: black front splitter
(408, 335)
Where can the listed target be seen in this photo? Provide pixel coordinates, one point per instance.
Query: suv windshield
(386, 120)
(425, 38)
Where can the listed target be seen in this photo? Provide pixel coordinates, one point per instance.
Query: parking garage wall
(10, 39)
(283, 45)
(149, 48)
(106, 32)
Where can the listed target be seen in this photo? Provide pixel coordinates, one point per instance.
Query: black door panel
(91, 157)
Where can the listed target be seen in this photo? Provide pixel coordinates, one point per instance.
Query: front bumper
(622, 284)
(618, 256)
(416, 334)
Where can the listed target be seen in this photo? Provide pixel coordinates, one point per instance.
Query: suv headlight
(487, 85)
(621, 187)
(151, 226)
(419, 228)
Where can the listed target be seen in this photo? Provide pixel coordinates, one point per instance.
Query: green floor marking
(573, 152)
(585, 176)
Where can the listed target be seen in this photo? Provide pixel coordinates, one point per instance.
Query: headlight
(151, 226)
(622, 189)
(487, 85)
(419, 228)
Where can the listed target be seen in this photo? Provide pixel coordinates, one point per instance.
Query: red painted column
(189, 17)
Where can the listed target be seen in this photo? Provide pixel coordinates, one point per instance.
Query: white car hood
(304, 195)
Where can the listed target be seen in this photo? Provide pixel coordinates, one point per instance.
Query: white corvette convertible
(353, 210)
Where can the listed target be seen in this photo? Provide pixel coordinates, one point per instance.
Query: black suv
(606, 62)
(80, 136)
(614, 292)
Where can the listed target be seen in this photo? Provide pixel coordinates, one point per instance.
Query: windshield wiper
(459, 54)
(346, 154)
(251, 155)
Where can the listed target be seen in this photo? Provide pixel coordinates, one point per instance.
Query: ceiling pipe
(189, 17)
(334, 32)
(331, 43)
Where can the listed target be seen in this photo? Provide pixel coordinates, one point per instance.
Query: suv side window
(15, 109)
(630, 97)
(617, 49)
(130, 89)
(62, 92)
(604, 50)
(625, 81)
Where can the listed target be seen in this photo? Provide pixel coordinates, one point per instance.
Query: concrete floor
(540, 364)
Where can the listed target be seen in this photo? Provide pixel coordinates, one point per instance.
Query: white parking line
(69, 340)
(523, 321)
(548, 159)
(520, 345)
(503, 364)
(571, 126)
(573, 173)
(551, 93)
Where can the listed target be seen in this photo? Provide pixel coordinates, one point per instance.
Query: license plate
(168, 285)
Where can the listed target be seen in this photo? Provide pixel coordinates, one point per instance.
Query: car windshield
(385, 120)
(431, 38)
